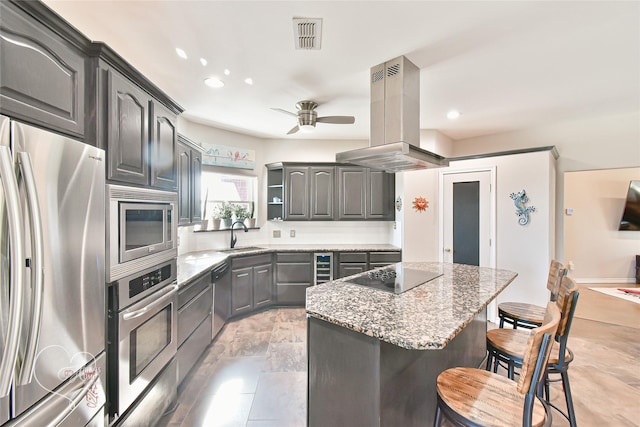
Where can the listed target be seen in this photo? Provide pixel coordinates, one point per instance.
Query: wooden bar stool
(475, 397)
(530, 315)
(507, 346)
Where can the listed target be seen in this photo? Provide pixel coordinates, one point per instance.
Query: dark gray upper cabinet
(296, 193)
(321, 192)
(380, 192)
(352, 192)
(325, 192)
(365, 194)
(196, 185)
(127, 131)
(189, 181)
(164, 139)
(184, 185)
(42, 76)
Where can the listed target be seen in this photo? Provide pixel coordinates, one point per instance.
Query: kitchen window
(221, 188)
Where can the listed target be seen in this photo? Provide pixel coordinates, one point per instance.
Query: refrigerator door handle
(36, 266)
(75, 401)
(16, 283)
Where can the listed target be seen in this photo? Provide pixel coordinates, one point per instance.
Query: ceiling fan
(307, 117)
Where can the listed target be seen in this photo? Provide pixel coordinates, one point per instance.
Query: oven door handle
(163, 296)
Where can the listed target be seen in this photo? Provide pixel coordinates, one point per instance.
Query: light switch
(569, 211)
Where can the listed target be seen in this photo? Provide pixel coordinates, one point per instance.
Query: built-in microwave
(141, 229)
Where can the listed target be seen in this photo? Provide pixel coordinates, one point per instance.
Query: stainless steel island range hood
(395, 122)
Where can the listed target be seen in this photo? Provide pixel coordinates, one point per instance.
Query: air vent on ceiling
(307, 33)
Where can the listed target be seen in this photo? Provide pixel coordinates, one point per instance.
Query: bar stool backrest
(528, 372)
(565, 302)
(556, 272)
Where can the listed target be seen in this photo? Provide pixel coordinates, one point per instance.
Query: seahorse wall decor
(520, 200)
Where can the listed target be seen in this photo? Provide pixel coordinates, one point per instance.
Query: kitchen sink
(241, 249)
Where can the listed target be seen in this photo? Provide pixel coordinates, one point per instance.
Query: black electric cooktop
(395, 279)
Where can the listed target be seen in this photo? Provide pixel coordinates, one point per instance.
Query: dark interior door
(466, 222)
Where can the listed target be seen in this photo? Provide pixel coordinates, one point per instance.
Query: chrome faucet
(234, 238)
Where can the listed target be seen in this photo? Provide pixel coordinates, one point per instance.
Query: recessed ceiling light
(248, 81)
(213, 82)
(181, 53)
(203, 62)
(226, 72)
(453, 114)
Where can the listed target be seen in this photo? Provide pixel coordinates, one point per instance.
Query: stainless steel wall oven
(141, 229)
(142, 333)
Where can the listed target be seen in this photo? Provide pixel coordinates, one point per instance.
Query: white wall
(599, 252)
(528, 250)
(591, 143)
(279, 150)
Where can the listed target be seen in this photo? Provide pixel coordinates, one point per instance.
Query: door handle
(16, 284)
(166, 295)
(447, 249)
(37, 268)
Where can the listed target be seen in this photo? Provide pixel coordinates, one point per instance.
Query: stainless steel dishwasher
(221, 296)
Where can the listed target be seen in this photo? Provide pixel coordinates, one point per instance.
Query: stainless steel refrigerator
(52, 298)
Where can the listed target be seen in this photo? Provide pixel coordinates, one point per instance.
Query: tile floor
(254, 374)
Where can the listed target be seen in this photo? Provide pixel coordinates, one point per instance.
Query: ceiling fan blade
(285, 111)
(341, 120)
(293, 130)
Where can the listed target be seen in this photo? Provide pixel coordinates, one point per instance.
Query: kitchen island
(374, 356)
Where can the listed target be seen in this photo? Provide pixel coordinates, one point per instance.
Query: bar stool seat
(511, 343)
(474, 397)
(485, 398)
(526, 315)
(509, 346)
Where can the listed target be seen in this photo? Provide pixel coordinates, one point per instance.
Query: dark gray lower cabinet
(194, 323)
(380, 259)
(294, 274)
(349, 263)
(251, 283)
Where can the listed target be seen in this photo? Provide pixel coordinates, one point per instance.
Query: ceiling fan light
(307, 128)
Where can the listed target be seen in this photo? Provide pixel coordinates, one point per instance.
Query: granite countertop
(193, 264)
(426, 317)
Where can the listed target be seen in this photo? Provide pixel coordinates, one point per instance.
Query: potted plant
(224, 212)
(251, 220)
(242, 214)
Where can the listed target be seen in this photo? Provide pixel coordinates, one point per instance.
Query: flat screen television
(631, 215)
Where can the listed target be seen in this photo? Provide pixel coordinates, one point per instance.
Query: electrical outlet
(276, 234)
(292, 233)
(571, 265)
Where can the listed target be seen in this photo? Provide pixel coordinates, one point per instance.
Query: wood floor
(254, 374)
